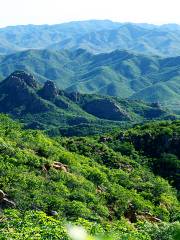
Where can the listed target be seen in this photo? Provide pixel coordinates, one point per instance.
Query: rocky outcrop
(56, 165)
(19, 95)
(148, 217)
(107, 109)
(21, 76)
(2, 195)
(4, 201)
(49, 91)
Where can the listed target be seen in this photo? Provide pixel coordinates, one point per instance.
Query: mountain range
(44, 106)
(95, 132)
(119, 73)
(94, 36)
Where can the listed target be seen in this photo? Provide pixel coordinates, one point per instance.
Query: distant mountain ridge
(162, 41)
(119, 73)
(95, 35)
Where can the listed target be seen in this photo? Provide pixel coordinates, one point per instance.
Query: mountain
(96, 36)
(15, 38)
(118, 73)
(162, 41)
(47, 107)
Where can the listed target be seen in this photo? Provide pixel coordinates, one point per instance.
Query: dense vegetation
(104, 183)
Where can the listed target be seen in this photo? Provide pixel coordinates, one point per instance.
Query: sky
(18, 12)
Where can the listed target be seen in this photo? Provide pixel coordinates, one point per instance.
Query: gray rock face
(107, 109)
(49, 91)
(53, 213)
(25, 77)
(4, 201)
(2, 195)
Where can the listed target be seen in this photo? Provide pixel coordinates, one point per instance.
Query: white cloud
(13, 12)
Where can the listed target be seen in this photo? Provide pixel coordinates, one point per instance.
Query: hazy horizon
(39, 12)
(88, 20)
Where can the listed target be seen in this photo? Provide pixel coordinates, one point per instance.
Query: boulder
(56, 165)
(4, 201)
(2, 195)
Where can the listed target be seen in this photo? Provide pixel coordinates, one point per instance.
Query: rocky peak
(49, 91)
(21, 78)
(19, 95)
(156, 105)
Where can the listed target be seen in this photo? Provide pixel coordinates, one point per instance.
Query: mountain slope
(47, 107)
(105, 184)
(119, 73)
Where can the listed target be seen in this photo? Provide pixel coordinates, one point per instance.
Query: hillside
(106, 183)
(44, 106)
(119, 73)
(95, 36)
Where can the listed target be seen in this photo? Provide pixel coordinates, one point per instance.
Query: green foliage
(31, 225)
(37, 225)
(102, 182)
(162, 231)
(159, 142)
